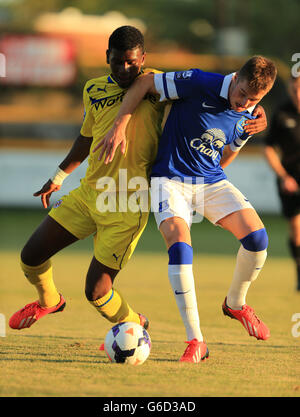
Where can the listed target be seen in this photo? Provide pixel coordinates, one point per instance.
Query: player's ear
(107, 56)
(143, 58)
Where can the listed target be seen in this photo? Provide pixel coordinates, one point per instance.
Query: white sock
(248, 266)
(182, 281)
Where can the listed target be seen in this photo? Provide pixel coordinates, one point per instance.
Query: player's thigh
(222, 199)
(242, 222)
(68, 221)
(49, 238)
(175, 229)
(117, 236)
(171, 202)
(226, 206)
(73, 212)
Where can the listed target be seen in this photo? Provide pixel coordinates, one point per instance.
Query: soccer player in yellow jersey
(84, 210)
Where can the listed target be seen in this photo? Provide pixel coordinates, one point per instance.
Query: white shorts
(192, 202)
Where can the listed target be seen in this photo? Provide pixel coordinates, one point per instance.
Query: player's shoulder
(99, 83)
(200, 77)
(153, 70)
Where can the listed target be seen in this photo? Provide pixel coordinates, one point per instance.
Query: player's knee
(256, 241)
(96, 290)
(180, 253)
(28, 257)
(93, 294)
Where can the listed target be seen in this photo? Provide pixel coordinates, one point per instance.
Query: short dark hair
(126, 37)
(260, 72)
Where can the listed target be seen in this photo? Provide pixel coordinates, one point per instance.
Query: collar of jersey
(111, 79)
(225, 87)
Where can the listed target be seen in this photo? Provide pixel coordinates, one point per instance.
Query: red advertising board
(36, 60)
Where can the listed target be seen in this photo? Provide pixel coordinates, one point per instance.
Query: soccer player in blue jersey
(205, 130)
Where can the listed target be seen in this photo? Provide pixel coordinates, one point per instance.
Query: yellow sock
(114, 308)
(41, 277)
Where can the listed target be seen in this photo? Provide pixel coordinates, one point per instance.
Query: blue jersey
(199, 125)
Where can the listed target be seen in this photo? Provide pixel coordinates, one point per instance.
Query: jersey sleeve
(237, 144)
(181, 84)
(88, 118)
(240, 136)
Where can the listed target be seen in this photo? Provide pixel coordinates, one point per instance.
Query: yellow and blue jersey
(102, 98)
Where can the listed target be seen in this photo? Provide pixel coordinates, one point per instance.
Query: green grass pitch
(59, 355)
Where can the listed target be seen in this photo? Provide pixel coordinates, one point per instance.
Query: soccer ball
(127, 343)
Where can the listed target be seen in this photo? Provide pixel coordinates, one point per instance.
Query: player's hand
(289, 185)
(115, 137)
(256, 125)
(46, 191)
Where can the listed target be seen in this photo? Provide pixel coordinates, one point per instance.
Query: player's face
(294, 90)
(125, 65)
(240, 95)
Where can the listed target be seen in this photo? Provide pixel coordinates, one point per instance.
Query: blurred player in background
(208, 113)
(78, 214)
(282, 151)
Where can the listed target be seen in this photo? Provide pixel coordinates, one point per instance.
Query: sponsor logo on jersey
(210, 142)
(183, 75)
(240, 124)
(107, 101)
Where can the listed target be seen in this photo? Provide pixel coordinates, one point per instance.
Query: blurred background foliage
(214, 35)
(272, 26)
(211, 29)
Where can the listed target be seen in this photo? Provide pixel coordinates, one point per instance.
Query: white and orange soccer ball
(127, 342)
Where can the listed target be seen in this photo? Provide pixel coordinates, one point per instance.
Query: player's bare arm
(259, 123)
(117, 134)
(75, 157)
(288, 183)
(228, 156)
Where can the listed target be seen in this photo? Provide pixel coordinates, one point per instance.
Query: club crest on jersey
(183, 75)
(240, 124)
(210, 142)
(57, 204)
(163, 205)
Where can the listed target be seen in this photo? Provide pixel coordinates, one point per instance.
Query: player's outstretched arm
(75, 157)
(117, 134)
(259, 123)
